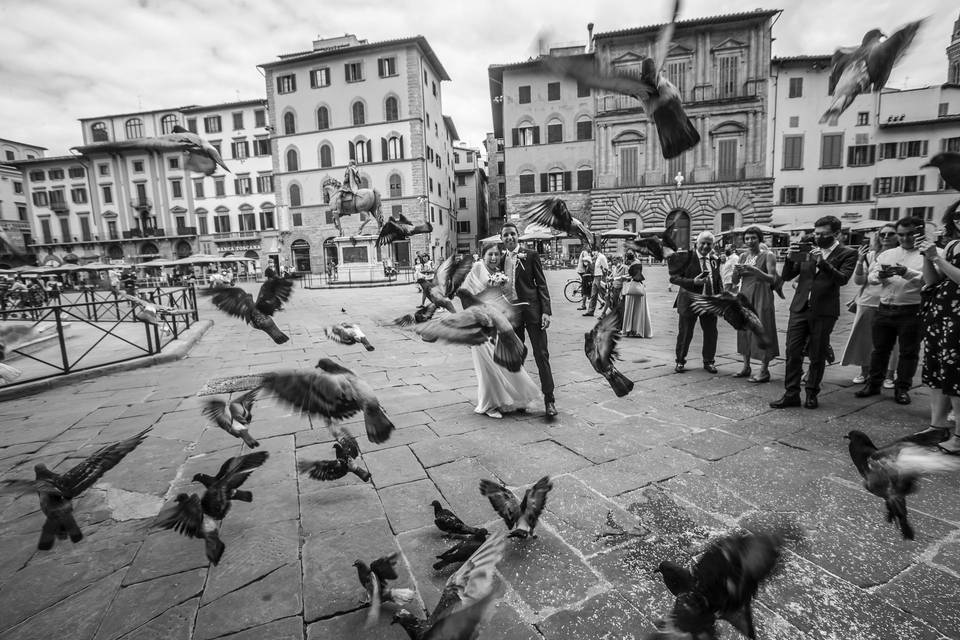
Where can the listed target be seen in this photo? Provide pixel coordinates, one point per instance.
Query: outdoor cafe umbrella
(762, 227)
(491, 239)
(656, 230)
(867, 225)
(100, 266)
(618, 233)
(796, 226)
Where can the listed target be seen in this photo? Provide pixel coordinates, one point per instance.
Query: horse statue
(367, 200)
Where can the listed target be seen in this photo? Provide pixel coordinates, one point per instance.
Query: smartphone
(804, 247)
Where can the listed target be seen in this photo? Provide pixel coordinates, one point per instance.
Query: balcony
(235, 235)
(186, 231)
(59, 206)
(141, 205)
(143, 233)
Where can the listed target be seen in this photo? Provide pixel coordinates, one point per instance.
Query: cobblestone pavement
(679, 457)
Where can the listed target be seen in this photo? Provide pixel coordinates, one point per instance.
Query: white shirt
(600, 265)
(899, 289)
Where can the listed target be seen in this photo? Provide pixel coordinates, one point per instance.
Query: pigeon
(374, 579)
(487, 318)
(600, 345)
(202, 156)
(149, 312)
(237, 302)
(735, 309)
(865, 68)
(440, 291)
(448, 522)
(57, 491)
(659, 246)
(467, 594)
(197, 517)
(14, 336)
(521, 517)
(398, 227)
(460, 551)
(347, 451)
(234, 417)
(721, 584)
(660, 98)
(418, 317)
(334, 392)
(347, 333)
(7, 241)
(553, 213)
(891, 472)
(948, 163)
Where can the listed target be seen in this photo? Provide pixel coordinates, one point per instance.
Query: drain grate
(229, 384)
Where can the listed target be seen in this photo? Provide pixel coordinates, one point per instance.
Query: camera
(804, 247)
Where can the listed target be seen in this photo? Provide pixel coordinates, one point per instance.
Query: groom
(526, 284)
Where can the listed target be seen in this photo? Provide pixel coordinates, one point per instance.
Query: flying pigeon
(865, 68)
(660, 98)
(948, 163)
(440, 291)
(58, 491)
(347, 333)
(521, 517)
(553, 213)
(448, 522)
(149, 312)
(735, 309)
(600, 345)
(891, 472)
(234, 417)
(237, 302)
(484, 319)
(374, 580)
(202, 156)
(721, 584)
(418, 317)
(460, 551)
(347, 451)
(6, 240)
(467, 594)
(197, 517)
(659, 246)
(334, 392)
(13, 337)
(398, 227)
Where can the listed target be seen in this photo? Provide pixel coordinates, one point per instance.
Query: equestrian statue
(349, 198)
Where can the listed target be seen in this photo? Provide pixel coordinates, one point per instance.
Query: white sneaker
(860, 379)
(493, 413)
(952, 417)
(888, 383)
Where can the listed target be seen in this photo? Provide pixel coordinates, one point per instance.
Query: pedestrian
(820, 272)
(695, 271)
(601, 267)
(859, 344)
(726, 269)
(423, 274)
(636, 312)
(756, 276)
(618, 275)
(585, 271)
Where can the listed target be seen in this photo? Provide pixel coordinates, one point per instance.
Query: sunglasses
(887, 234)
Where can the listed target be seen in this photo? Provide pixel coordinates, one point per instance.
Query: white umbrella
(763, 229)
(796, 226)
(618, 233)
(652, 230)
(868, 225)
(491, 239)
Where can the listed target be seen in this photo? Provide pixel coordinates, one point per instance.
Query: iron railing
(354, 278)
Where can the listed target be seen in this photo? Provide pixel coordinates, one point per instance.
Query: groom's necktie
(708, 285)
(510, 268)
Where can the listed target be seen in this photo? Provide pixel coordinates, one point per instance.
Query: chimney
(589, 37)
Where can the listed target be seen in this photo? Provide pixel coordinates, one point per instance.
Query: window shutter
(781, 195)
(880, 152)
(567, 181)
(943, 144)
(401, 147)
(819, 194)
(850, 156)
(515, 134)
(369, 151)
(898, 184)
(866, 192)
(536, 137)
(383, 148)
(923, 151)
(920, 182)
(353, 151)
(872, 154)
(346, 72)
(380, 67)
(800, 196)
(543, 182)
(902, 150)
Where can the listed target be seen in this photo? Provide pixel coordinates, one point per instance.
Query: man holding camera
(699, 272)
(899, 271)
(822, 270)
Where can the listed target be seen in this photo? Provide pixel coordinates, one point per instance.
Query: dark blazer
(684, 267)
(530, 285)
(821, 286)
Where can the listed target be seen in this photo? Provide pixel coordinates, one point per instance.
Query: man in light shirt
(900, 273)
(600, 269)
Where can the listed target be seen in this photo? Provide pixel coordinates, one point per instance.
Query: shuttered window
(527, 183)
(793, 152)
(831, 151)
(629, 166)
(584, 179)
(727, 160)
(727, 76)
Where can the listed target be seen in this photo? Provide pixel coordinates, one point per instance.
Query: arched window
(396, 190)
(393, 148)
(361, 151)
(289, 123)
(295, 200)
(168, 122)
(358, 113)
(326, 155)
(99, 130)
(300, 253)
(392, 108)
(134, 128)
(364, 182)
(679, 222)
(293, 160)
(323, 118)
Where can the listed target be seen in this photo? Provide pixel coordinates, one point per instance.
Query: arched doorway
(679, 222)
(252, 267)
(300, 252)
(184, 250)
(149, 249)
(329, 251)
(115, 252)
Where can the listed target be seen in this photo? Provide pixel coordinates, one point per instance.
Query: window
(863, 118)
(829, 193)
(430, 183)
(176, 188)
(85, 229)
(287, 83)
(326, 155)
(294, 192)
(395, 188)
(461, 203)
(886, 214)
(791, 195)
(796, 88)
(266, 220)
(943, 109)
(387, 67)
(192, 125)
(261, 147)
(861, 155)
(358, 113)
(221, 223)
(676, 72)
(55, 174)
(65, 229)
(134, 128)
(792, 152)
(794, 122)
(727, 76)
(219, 187)
(354, 71)
(240, 149)
(173, 163)
(911, 184)
(260, 117)
(527, 183)
(888, 150)
(463, 226)
(198, 188)
(553, 91)
(202, 228)
(392, 109)
(298, 219)
(138, 166)
(212, 124)
(40, 198)
(265, 183)
(103, 169)
(433, 86)
(248, 221)
(831, 151)
(461, 181)
(915, 148)
(629, 166)
(45, 230)
(320, 78)
(583, 91)
(524, 95)
(727, 160)
(584, 179)
(107, 194)
(361, 151)
(237, 120)
(883, 186)
(293, 161)
(17, 187)
(75, 172)
(502, 189)
(99, 131)
(57, 199)
(289, 123)
(526, 136)
(555, 181)
(950, 144)
(78, 195)
(37, 176)
(585, 130)
(858, 193)
(242, 186)
(554, 132)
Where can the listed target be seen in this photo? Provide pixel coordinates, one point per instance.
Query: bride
(498, 390)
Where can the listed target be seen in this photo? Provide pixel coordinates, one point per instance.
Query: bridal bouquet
(498, 279)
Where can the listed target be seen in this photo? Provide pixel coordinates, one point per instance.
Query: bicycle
(573, 291)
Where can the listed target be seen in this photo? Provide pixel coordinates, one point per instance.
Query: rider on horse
(351, 182)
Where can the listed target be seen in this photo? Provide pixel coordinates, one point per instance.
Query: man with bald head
(696, 271)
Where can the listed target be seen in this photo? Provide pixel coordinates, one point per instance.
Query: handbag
(633, 288)
(852, 305)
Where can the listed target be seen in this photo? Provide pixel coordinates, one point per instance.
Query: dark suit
(684, 268)
(531, 287)
(813, 312)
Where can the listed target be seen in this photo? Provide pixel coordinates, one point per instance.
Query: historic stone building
(14, 218)
(471, 194)
(379, 104)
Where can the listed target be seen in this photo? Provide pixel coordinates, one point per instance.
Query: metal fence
(355, 278)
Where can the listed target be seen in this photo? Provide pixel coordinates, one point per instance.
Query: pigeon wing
(885, 55)
(350, 447)
(184, 516)
(841, 59)
(241, 464)
(85, 474)
(502, 500)
(323, 469)
(216, 410)
(458, 274)
(390, 232)
(913, 460)
(586, 73)
(665, 38)
(273, 293)
(472, 326)
(314, 392)
(385, 568)
(233, 301)
(607, 337)
(535, 499)
(462, 623)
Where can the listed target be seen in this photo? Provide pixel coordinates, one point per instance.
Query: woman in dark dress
(756, 275)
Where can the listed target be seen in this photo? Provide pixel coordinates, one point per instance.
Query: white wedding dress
(497, 388)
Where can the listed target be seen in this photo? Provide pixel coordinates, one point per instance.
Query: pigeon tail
(248, 439)
(377, 423)
(366, 344)
(278, 336)
(242, 496)
(48, 535)
(72, 529)
(897, 507)
(676, 132)
(742, 620)
(360, 472)
(214, 547)
(510, 352)
(621, 384)
(440, 564)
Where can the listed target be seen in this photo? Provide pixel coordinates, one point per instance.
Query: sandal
(930, 435)
(764, 377)
(744, 373)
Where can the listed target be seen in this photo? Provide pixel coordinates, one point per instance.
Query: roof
(25, 144)
(693, 22)
(448, 123)
(532, 62)
(224, 105)
(142, 112)
(915, 123)
(305, 56)
(827, 58)
(20, 163)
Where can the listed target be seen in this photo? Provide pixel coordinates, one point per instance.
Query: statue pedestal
(358, 259)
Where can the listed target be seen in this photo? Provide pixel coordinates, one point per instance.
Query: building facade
(496, 183)
(14, 217)
(379, 104)
(471, 194)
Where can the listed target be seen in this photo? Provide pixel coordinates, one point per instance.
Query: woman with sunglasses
(860, 341)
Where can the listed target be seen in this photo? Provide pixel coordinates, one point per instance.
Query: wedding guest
(695, 271)
(756, 276)
(585, 271)
(636, 312)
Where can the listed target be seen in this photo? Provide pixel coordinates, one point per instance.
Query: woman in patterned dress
(756, 275)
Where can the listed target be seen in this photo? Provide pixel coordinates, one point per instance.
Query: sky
(61, 60)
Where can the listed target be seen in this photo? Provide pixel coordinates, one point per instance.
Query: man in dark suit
(697, 271)
(822, 270)
(526, 283)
